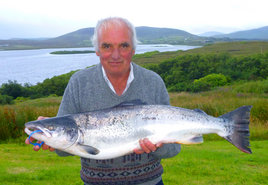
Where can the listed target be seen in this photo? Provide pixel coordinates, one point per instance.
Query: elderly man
(115, 80)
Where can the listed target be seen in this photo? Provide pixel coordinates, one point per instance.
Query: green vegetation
(49, 87)
(214, 103)
(145, 55)
(180, 73)
(71, 52)
(13, 117)
(213, 162)
(217, 163)
(19, 164)
(234, 49)
(210, 81)
(241, 74)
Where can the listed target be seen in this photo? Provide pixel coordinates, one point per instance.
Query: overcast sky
(51, 18)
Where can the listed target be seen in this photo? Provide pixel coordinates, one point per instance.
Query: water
(32, 66)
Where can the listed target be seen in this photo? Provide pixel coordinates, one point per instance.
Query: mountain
(253, 34)
(79, 38)
(82, 38)
(210, 34)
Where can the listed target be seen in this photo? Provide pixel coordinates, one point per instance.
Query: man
(115, 80)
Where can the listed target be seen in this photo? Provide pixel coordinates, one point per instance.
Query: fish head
(58, 132)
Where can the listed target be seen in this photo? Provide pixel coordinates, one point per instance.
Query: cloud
(55, 17)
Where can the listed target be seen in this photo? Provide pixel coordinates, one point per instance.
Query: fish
(116, 131)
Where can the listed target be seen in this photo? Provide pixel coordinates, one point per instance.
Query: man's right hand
(44, 146)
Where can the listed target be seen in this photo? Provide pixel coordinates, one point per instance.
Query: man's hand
(44, 146)
(147, 146)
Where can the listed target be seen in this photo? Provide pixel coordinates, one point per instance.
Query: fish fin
(88, 149)
(240, 135)
(191, 140)
(131, 103)
(200, 111)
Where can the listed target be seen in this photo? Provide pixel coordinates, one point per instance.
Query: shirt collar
(129, 80)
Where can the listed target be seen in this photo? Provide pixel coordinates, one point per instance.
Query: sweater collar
(129, 80)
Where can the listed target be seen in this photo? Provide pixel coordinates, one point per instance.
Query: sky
(52, 18)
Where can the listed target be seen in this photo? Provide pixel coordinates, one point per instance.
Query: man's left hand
(146, 146)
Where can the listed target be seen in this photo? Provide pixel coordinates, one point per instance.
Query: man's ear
(133, 52)
(97, 53)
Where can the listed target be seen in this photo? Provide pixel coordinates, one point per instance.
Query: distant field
(64, 52)
(244, 48)
(233, 48)
(210, 163)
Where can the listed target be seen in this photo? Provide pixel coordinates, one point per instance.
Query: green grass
(19, 164)
(213, 162)
(218, 163)
(71, 52)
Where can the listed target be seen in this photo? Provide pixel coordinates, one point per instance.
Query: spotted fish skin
(116, 131)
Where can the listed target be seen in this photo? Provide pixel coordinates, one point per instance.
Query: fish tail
(239, 137)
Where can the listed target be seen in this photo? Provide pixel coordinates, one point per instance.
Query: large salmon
(116, 131)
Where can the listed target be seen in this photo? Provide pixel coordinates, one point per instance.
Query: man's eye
(106, 46)
(125, 45)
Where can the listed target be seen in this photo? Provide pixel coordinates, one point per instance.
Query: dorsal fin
(200, 111)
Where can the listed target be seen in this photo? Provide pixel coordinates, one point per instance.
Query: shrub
(12, 88)
(5, 99)
(208, 82)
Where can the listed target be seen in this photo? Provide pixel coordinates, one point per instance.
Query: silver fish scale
(129, 123)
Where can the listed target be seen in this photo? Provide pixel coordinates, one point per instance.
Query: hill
(210, 34)
(253, 34)
(151, 35)
(81, 38)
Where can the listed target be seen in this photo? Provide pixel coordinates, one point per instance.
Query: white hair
(118, 21)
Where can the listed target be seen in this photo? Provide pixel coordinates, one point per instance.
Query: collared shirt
(129, 80)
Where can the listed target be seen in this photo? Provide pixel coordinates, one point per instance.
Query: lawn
(213, 162)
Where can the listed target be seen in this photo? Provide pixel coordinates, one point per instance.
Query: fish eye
(50, 127)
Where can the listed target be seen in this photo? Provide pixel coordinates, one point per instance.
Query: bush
(5, 99)
(12, 88)
(208, 82)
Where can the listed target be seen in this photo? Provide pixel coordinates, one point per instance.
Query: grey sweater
(88, 91)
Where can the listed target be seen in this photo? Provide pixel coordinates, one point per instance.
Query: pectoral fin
(191, 140)
(88, 149)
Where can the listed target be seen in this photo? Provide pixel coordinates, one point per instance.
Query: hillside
(253, 34)
(243, 48)
(81, 38)
(151, 35)
(146, 35)
(210, 34)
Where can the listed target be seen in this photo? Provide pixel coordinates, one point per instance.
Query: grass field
(213, 162)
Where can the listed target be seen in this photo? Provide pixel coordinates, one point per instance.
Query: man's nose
(115, 53)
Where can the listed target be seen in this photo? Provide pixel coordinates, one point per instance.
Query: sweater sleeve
(69, 103)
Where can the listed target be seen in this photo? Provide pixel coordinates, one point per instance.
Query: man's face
(115, 50)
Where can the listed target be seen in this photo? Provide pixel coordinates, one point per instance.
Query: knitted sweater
(88, 91)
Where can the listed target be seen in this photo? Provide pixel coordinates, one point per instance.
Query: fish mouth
(44, 132)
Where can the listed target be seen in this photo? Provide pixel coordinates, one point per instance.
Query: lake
(32, 66)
